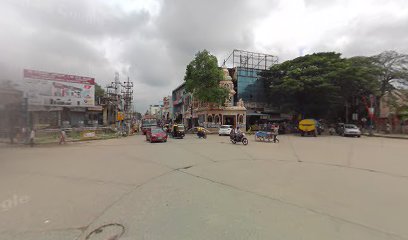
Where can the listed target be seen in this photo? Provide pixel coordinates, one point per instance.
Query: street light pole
(191, 111)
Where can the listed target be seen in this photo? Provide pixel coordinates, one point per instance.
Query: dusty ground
(301, 188)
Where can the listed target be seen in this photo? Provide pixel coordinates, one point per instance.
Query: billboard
(55, 89)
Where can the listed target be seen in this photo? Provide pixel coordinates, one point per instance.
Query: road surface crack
(288, 203)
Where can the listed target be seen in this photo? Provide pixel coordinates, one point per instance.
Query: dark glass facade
(250, 87)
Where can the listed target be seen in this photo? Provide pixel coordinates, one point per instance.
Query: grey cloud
(185, 27)
(87, 18)
(158, 57)
(320, 3)
(369, 36)
(153, 50)
(149, 62)
(190, 26)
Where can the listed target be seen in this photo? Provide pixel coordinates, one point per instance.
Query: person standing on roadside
(24, 135)
(388, 128)
(12, 134)
(32, 137)
(275, 132)
(63, 136)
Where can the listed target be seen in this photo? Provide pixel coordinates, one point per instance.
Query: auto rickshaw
(309, 127)
(178, 131)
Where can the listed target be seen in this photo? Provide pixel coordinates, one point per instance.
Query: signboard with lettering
(55, 89)
(120, 116)
(88, 134)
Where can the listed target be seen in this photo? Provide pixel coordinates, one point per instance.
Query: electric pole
(127, 93)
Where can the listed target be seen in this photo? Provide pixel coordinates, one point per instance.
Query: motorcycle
(201, 134)
(240, 137)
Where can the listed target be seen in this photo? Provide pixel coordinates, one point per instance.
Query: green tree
(303, 85)
(356, 78)
(320, 84)
(393, 70)
(393, 75)
(203, 77)
(99, 92)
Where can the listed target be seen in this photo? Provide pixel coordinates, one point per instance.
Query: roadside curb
(40, 144)
(386, 136)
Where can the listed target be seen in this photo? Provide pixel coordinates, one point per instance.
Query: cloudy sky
(152, 41)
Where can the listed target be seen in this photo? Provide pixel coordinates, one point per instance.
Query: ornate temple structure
(211, 115)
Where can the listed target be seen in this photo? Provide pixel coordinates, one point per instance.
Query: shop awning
(95, 108)
(257, 114)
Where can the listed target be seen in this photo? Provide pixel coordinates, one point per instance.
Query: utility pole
(371, 113)
(127, 93)
(347, 112)
(114, 98)
(191, 109)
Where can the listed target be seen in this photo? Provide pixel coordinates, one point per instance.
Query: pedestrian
(62, 137)
(23, 138)
(12, 134)
(275, 133)
(388, 128)
(32, 137)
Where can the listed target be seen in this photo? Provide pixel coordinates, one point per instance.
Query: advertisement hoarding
(55, 89)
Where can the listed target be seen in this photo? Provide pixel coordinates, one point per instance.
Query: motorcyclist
(236, 133)
(232, 133)
(200, 132)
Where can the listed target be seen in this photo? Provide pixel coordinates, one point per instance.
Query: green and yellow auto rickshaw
(178, 131)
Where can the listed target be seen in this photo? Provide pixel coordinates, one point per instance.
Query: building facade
(211, 115)
(393, 110)
(57, 100)
(155, 110)
(179, 96)
(12, 111)
(166, 111)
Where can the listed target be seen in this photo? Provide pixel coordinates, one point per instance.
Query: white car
(351, 130)
(224, 130)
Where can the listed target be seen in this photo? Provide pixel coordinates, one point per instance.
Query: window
(209, 118)
(217, 119)
(241, 119)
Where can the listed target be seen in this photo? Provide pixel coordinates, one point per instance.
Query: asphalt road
(327, 187)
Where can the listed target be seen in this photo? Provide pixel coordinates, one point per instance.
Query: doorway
(229, 120)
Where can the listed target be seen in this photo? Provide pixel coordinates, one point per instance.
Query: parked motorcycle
(332, 130)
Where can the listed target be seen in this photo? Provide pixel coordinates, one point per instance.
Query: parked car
(156, 135)
(225, 130)
(351, 130)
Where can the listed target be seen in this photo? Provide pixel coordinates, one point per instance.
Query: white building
(154, 110)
